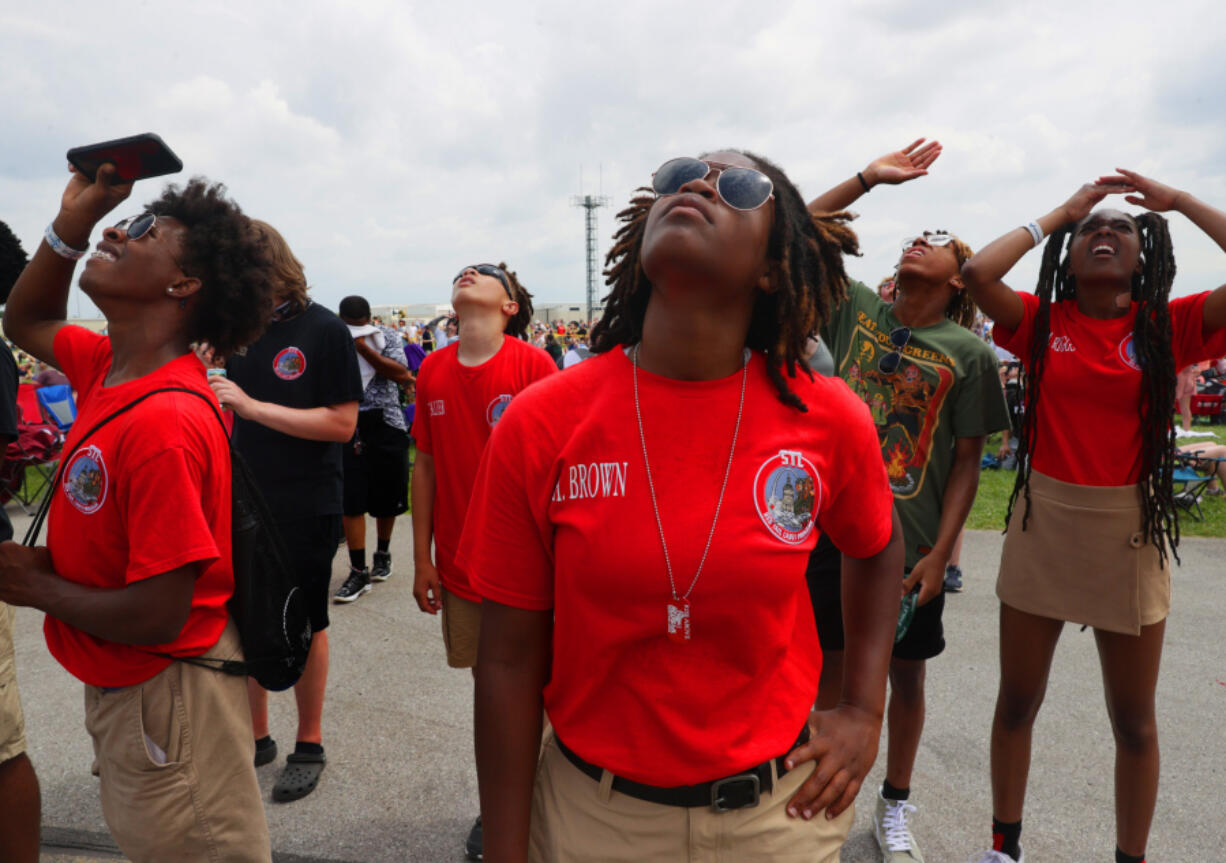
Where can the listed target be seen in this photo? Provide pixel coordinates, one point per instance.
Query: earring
(183, 302)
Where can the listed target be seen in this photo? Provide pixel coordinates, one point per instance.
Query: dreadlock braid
(517, 324)
(806, 276)
(1152, 343)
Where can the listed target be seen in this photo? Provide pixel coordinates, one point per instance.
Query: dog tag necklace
(678, 608)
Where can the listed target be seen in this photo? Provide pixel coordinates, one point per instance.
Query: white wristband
(60, 247)
(1036, 233)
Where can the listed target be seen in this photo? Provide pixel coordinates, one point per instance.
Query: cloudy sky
(393, 142)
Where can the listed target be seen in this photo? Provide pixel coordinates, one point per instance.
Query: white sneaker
(997, 857)
(894, 833)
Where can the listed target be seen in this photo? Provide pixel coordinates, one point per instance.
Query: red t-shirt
(147, 493)
(457, 407)
(562, 518)
(1089, 421)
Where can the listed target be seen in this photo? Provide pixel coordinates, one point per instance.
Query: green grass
(992, 501)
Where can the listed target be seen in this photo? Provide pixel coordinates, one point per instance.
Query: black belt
(723, 795)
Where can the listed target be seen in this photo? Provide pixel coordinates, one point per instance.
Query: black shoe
(382, 567)
(355, 585)
(953, 579)
(265, 751)
(473, 844)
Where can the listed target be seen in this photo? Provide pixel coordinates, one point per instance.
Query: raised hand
(1152, 195)
(1088, 196)
(84, 203)
(902, 165)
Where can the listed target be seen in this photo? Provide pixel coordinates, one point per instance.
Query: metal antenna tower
(590, 204)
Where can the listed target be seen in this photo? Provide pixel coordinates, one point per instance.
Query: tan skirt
(1083, 558)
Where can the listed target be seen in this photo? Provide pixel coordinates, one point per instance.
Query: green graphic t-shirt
(946, 387)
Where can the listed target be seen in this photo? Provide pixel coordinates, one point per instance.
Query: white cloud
(391, 142)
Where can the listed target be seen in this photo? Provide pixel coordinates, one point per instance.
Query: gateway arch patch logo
(787, 494)
(86, 481)
(493, 412)
(1128, 353)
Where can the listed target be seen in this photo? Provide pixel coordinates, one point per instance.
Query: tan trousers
(175, 755)
(12, 724)
(578, 820)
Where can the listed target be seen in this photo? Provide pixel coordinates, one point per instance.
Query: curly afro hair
(231, 261)
(517, 324)
(12, 261)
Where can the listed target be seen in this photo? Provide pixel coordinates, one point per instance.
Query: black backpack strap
(40, 517)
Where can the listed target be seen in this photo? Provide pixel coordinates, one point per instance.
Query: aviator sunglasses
(740, 188)
(136, 227)
(899, 337)
(487, 270)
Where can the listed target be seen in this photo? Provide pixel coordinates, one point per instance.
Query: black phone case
(136, 158)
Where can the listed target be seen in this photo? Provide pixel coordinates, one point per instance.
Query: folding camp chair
(1194, 479)
(58, 406)
(30, 460)
(1208, 407)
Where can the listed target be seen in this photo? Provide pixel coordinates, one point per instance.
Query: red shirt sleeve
(1188, 332)
(1017, 342)
(421, 416)
(162, 504)
(82, 355)
(507, 544)
(859, 513)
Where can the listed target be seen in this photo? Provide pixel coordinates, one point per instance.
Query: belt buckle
(746, 792)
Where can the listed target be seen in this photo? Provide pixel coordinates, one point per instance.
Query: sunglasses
(930, 239)
(487, 270)
(136, 227)
(899, 337)
(740, 188)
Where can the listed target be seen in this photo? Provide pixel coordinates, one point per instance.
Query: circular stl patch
(289, 364)
(1128, 353)
(493, 413)
(85, 480)
(787, 494)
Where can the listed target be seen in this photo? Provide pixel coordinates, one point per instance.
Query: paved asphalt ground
(400, 783)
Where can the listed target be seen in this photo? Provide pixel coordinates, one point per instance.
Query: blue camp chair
(1191, 472)
(58, 406)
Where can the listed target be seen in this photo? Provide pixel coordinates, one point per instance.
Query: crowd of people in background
(588, 497)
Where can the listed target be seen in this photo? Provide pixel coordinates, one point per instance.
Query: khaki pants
(175, 758)
(578, 820)
(12, 723)
(461, 629)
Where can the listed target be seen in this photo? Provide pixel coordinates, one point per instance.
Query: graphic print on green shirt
(946, 387)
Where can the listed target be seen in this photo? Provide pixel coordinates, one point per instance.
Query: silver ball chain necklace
(679, 607)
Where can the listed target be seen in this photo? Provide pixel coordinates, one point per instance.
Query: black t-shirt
(8, 419)
(8, 396)
(307, 361)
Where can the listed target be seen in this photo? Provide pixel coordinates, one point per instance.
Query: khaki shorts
(12, 723)
(461, 629)
(1082, 558)
(576, 819)
(175, 756)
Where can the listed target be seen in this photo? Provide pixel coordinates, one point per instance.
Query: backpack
(268, 606)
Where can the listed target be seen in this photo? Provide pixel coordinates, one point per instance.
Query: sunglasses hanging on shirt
(899, 337)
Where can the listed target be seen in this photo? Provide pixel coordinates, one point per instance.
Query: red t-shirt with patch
(147, 493)
(1089, 421)
(562, 518)
(457, 407)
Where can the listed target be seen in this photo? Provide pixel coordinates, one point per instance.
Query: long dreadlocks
(807, 280)
(1152, 342)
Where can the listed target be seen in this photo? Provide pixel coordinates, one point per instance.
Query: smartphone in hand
(134, 158)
